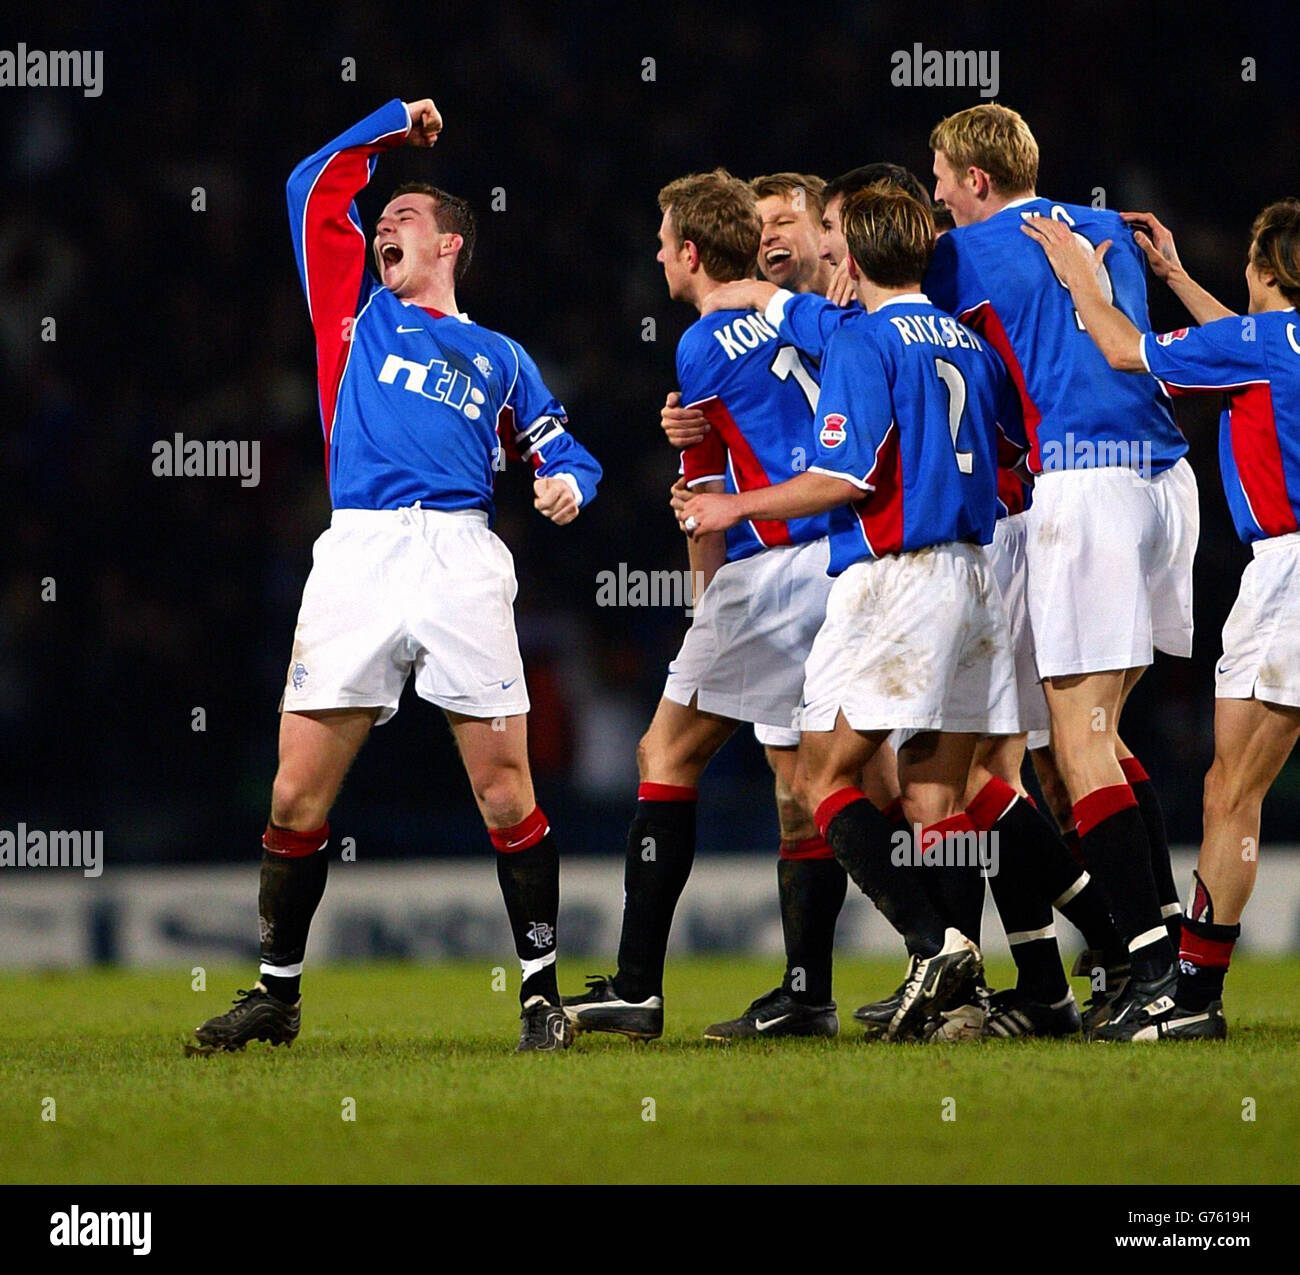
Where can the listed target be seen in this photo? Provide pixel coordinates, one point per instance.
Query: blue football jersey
(415, 405)
(809, 321)
(758, 396)
(913, 409)
(1255, 361)
(1079, 412)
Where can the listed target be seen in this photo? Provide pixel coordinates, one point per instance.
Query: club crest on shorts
(833, 433)
(1167, 338)
(298, 676)
(541, 934)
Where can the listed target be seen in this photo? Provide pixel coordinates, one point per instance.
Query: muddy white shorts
(1010, 570)
(1110, 567)
(744, 654)
(914, 641)
(396, 590)
(1261, 639)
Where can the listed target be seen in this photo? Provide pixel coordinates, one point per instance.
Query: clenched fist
(426, 123)
(553, 498)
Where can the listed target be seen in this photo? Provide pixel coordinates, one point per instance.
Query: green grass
(426, 1052)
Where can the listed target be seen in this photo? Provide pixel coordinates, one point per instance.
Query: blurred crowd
(176, 595)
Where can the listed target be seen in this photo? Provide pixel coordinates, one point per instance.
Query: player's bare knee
(504, 794)
(796, 822)
(297, 805)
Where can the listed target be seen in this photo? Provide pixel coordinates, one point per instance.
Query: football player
(417, 404)
(1254, 362)
(742, 658)
(1112, 530)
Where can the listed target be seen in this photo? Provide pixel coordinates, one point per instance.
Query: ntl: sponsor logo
(35, 848)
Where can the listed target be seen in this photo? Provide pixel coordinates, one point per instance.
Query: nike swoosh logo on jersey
(402, 329)
(771, 1022)
(505, 686)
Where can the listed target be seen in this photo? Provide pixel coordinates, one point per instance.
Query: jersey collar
(908, 298)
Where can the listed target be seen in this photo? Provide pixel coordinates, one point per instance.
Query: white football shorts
(1110, 567)
(396, 590)
(1010, 570)
(914, 641)
(1261, 639)
(744, 654)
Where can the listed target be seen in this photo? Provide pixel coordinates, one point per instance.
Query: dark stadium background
(176, 594)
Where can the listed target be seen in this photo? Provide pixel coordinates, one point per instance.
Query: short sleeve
(854, 411)
(1216, 356)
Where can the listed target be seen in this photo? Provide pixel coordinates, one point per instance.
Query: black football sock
(1114, 841)
(294, 868)
(528, 871)
(1162, 870)
(811, 886)
(1031, 850)
(863, 841)
(660, 851)
(1071, 840)
(1205, 953)
(927, 879)
(951, 858)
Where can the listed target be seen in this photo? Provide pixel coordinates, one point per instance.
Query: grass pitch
(426, 1055)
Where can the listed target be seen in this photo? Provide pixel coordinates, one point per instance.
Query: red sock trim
(1099, 805)
(960, 822)
(526, 833)
(833, 804)
(1207, 953)
(808, 848)
(295, 845)
(991, 803)
(666, 792)
(1134, 771)
(894, 811)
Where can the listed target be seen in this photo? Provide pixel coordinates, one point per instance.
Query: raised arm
(328, 242)
(1157, 242)
(1112, 331)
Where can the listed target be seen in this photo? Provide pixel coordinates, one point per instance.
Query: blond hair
(719, 215)
(803, 190)
(994, 138)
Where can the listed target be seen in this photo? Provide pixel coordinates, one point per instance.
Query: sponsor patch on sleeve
(832, 432)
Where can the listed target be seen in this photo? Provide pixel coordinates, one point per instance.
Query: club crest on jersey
(1167, 338)
(833, 433)
(483, 364)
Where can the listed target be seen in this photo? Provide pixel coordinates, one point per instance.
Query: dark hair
(452, 215)
(890, 235)
(869, 175)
